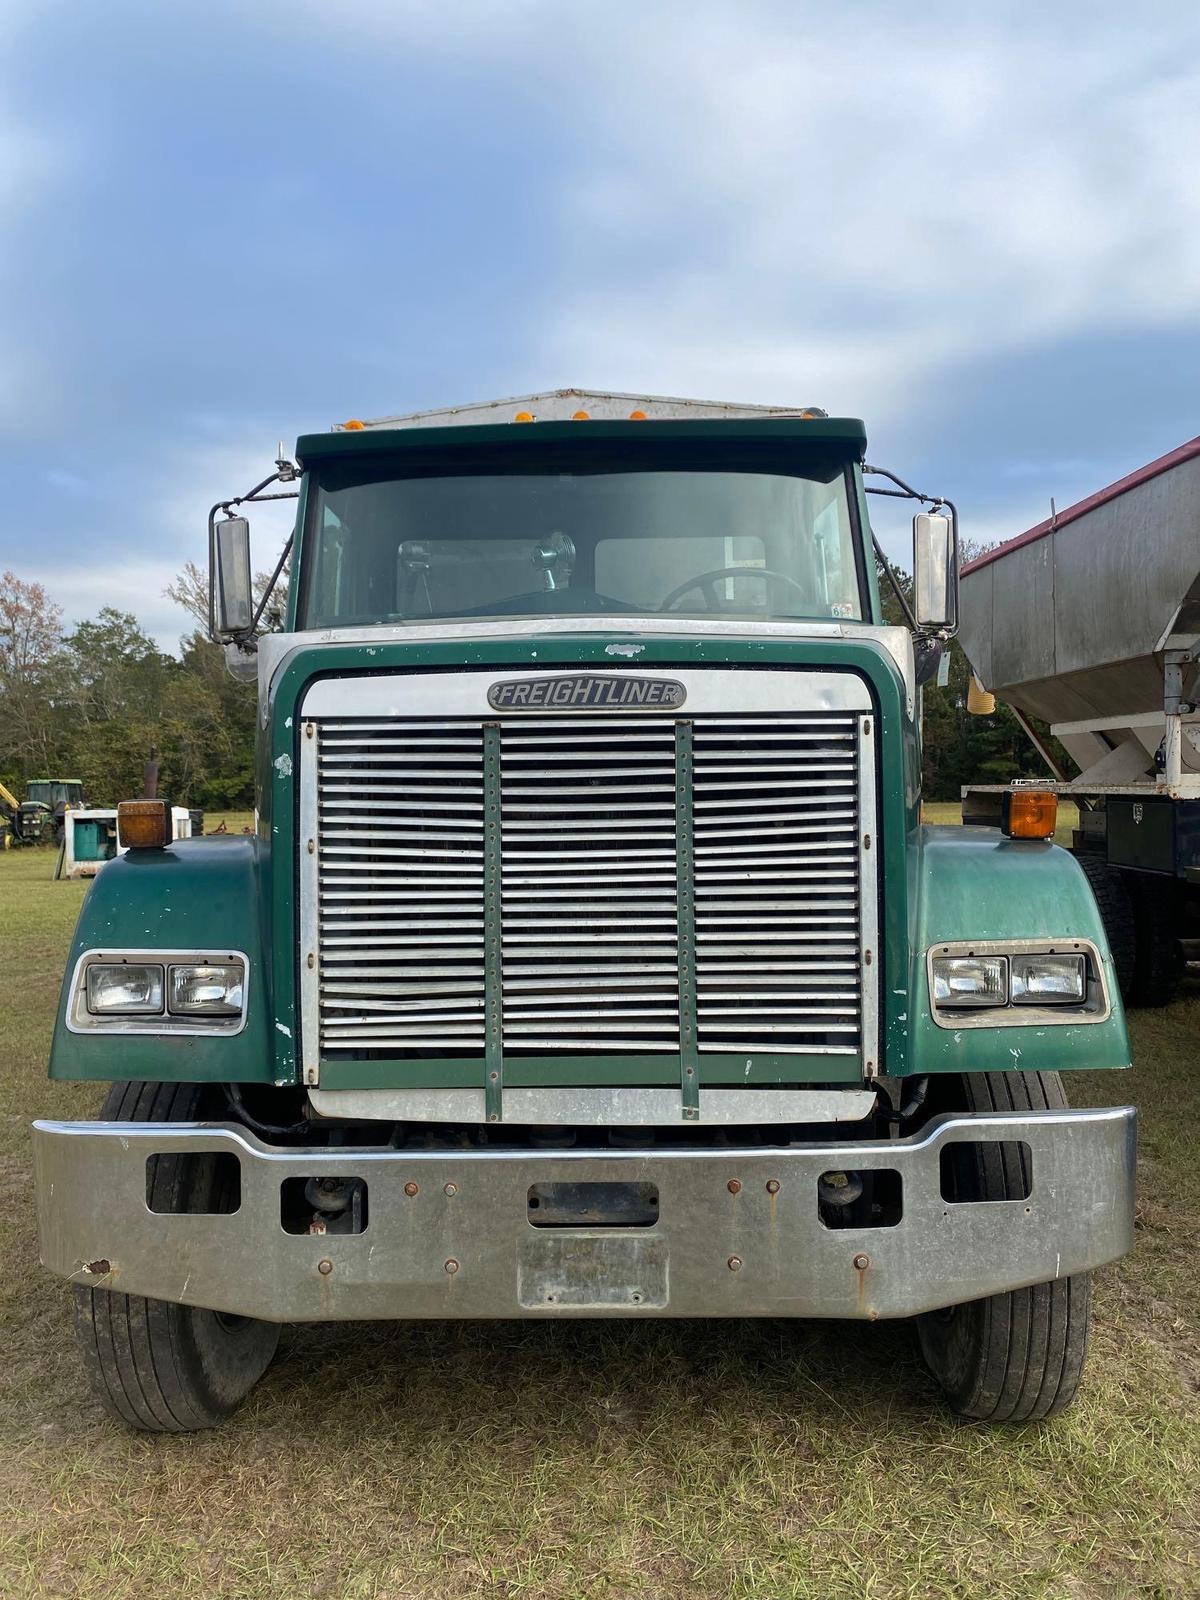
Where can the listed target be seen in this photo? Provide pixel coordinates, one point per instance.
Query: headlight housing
(211, 990)
(1002, 983)
(159, 992)
(124, 989)
(1049, 980)
(970, 981)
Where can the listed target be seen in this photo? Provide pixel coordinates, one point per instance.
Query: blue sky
(223, 224)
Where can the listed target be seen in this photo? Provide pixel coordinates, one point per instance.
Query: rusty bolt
(734, 1263)
(452, 1266)
(734, 1186)
(451, 1189)
(772, 1185)
(861, 1263)
(325, 1266)
(411, 1188)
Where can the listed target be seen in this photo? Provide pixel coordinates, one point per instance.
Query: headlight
(214, 990)
(970, 981)
(124, 990)
(1048, 980)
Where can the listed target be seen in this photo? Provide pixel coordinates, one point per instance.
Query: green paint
(825, 435)
(202, 894)
(864, 656)
(972, 883)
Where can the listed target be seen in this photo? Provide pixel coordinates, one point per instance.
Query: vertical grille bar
(493, 928)
(685, 881)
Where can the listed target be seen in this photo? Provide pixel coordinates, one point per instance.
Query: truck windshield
(733, 543)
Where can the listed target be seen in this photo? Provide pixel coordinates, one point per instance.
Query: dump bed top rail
(564, 405)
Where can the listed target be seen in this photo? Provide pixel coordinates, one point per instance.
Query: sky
(222, 225)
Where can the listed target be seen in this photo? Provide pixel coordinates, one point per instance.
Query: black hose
(910, 1107)
(233, 1094)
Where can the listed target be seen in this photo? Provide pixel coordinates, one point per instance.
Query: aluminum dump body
(601, 405)
(1069, 622)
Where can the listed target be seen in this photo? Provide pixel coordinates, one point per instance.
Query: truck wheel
(1116, 913)
(158, 1366)
(1018, 1356)
(1158, 963)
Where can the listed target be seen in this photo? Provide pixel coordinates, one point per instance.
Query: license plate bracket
(561, 1271)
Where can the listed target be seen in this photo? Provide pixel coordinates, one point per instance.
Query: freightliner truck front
(589, 958)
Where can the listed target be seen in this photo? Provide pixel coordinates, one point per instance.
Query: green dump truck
(590, 958)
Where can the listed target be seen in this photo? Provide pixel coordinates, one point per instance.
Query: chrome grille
(588, 929)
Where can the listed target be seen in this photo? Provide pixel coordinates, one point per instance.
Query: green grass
(754, 1459)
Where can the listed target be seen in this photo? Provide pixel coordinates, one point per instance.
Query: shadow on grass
(541, 1379)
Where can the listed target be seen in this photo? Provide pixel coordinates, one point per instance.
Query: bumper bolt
(411, 1189)
(734, 1186)
(452, 1266)
(734, 1263)
(772, 1185)
(325, 1266)
(861, 1263)
(451, 1189)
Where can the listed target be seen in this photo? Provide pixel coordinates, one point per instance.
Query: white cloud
(841, 206)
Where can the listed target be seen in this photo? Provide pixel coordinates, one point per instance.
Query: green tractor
(38, 818)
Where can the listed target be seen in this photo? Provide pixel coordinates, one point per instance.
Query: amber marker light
(581, 416)
(637, 416)
(353, 426)
(144, 824)
(1029, 813)
(523, 416)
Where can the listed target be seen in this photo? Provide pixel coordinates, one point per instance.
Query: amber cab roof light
(1029, 813)
(144, 824)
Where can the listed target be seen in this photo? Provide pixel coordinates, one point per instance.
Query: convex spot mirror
(233, 599)
(933, 570)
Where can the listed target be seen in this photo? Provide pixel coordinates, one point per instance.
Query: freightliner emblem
(587, 692)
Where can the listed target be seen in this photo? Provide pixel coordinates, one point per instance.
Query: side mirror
(935, 603)
(231, 594)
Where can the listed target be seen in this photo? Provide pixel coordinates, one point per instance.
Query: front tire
(1017, 1356)
(161, 1367)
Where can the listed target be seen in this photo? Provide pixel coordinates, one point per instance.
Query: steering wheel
(707, 582)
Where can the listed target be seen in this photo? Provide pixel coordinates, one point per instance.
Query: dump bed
(600, 405)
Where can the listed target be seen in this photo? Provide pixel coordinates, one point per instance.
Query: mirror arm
(274, 579)
(935, 502)
(286, 474)
(894, 581)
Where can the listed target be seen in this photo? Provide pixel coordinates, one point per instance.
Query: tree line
(93, 702)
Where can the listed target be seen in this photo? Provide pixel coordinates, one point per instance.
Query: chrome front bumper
(738, 1232)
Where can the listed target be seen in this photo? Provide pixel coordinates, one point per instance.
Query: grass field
(610, 1460)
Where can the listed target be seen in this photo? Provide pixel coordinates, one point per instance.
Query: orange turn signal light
(353, 425)
(581, 416)
(523, 416)
(637, 416)
(1029, 813)
(144, 824)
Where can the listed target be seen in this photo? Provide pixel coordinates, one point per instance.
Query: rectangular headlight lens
(208, 991)
(1049, 980)
(970, 981)
(124, 990)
